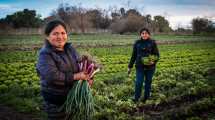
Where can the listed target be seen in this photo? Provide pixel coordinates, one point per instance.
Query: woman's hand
(81, 76)
(129, 71)
(90, 81)
(151, 62)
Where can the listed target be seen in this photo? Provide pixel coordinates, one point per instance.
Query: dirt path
(27, 47)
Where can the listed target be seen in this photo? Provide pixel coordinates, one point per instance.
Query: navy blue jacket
(143, 48)
(56, 68)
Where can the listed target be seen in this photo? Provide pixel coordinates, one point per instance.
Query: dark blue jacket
(143, 48)
(56, 69)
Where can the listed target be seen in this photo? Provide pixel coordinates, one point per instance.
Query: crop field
(183, 86)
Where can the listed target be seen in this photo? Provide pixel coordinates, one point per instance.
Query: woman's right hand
(129, 71)
(81, 76)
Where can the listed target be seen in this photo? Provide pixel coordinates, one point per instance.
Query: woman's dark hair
(144, 29)
(52, 24)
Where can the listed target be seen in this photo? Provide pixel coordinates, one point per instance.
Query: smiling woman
(57, 68)
(57, 37)
(142, 50)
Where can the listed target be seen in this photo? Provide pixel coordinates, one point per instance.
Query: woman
(57, 67)
(143, 48)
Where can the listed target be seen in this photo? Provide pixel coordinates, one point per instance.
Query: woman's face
(58, 37)
(145, 35)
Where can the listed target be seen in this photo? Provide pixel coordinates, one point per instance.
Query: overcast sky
(178, 12)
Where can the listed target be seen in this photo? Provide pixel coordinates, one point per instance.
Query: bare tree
(75, 17)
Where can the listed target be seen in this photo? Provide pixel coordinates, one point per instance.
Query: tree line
(115, 20)
(21, 19)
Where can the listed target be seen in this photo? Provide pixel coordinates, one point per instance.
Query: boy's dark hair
(144, 29)
(52, 24)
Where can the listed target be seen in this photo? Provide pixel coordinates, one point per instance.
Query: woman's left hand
(90, 81)
(151, 63)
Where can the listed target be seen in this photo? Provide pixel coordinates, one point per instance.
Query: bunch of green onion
(79, 104)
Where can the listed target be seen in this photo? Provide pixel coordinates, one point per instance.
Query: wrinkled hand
(81, 76)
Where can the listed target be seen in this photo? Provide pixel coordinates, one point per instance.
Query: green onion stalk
(79, 104)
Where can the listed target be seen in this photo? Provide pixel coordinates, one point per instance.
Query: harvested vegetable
(148, 60)
(79, 104)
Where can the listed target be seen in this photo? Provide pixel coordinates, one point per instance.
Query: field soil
(8, 113)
